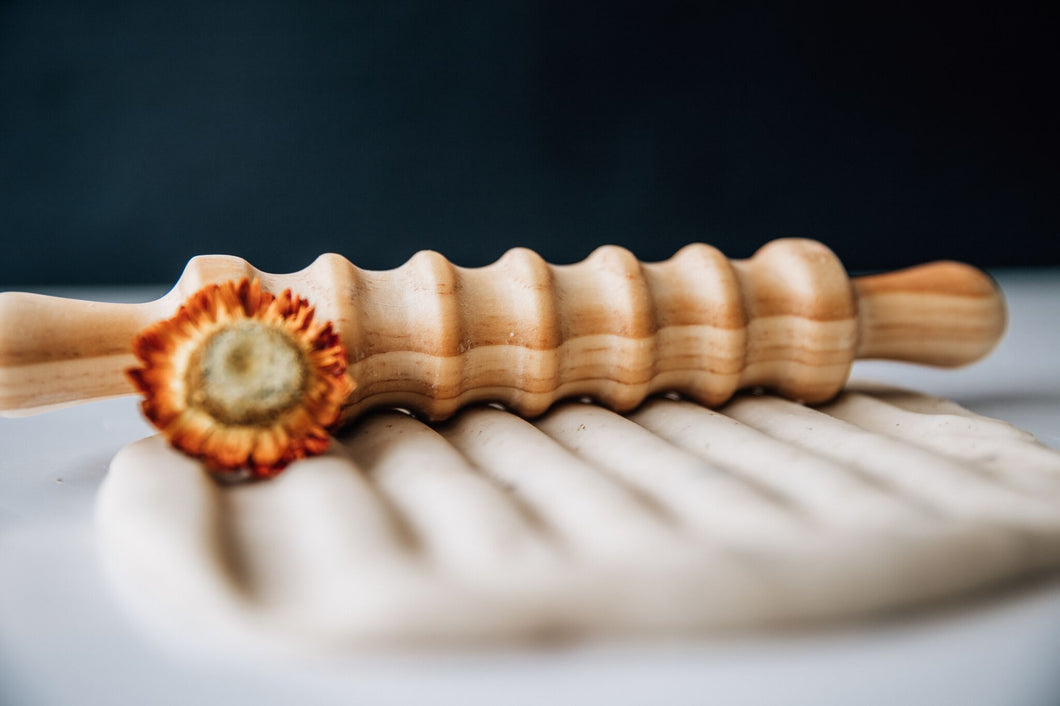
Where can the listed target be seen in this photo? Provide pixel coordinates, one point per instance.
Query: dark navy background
(133, 136)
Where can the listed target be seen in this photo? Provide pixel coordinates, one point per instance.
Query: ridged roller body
(527, 333)
(431, 337)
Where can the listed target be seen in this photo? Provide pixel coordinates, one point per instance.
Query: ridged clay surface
(675, 519)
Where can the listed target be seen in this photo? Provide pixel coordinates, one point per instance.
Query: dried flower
(242, 379)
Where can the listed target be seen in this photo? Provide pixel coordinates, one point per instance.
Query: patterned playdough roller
(431, 337)
(238, 371)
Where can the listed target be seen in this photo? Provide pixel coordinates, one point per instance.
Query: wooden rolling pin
(432, 337)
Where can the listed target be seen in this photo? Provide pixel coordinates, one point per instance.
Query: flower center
(247, 373)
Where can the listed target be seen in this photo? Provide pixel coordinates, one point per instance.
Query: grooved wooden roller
(432, 337)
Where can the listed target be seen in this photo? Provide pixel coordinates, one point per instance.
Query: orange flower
(242, 379)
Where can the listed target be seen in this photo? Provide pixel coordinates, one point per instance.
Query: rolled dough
(674, 519)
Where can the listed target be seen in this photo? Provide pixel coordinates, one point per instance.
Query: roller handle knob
(943, 313)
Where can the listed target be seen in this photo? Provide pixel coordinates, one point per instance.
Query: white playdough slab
(585, 523)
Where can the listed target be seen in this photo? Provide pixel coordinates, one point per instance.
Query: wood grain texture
(431, 336)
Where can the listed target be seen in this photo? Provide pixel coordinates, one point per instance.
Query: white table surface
(63, 640)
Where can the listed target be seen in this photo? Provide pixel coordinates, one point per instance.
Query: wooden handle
(54, 351)
(943, 313)
(431, 337)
